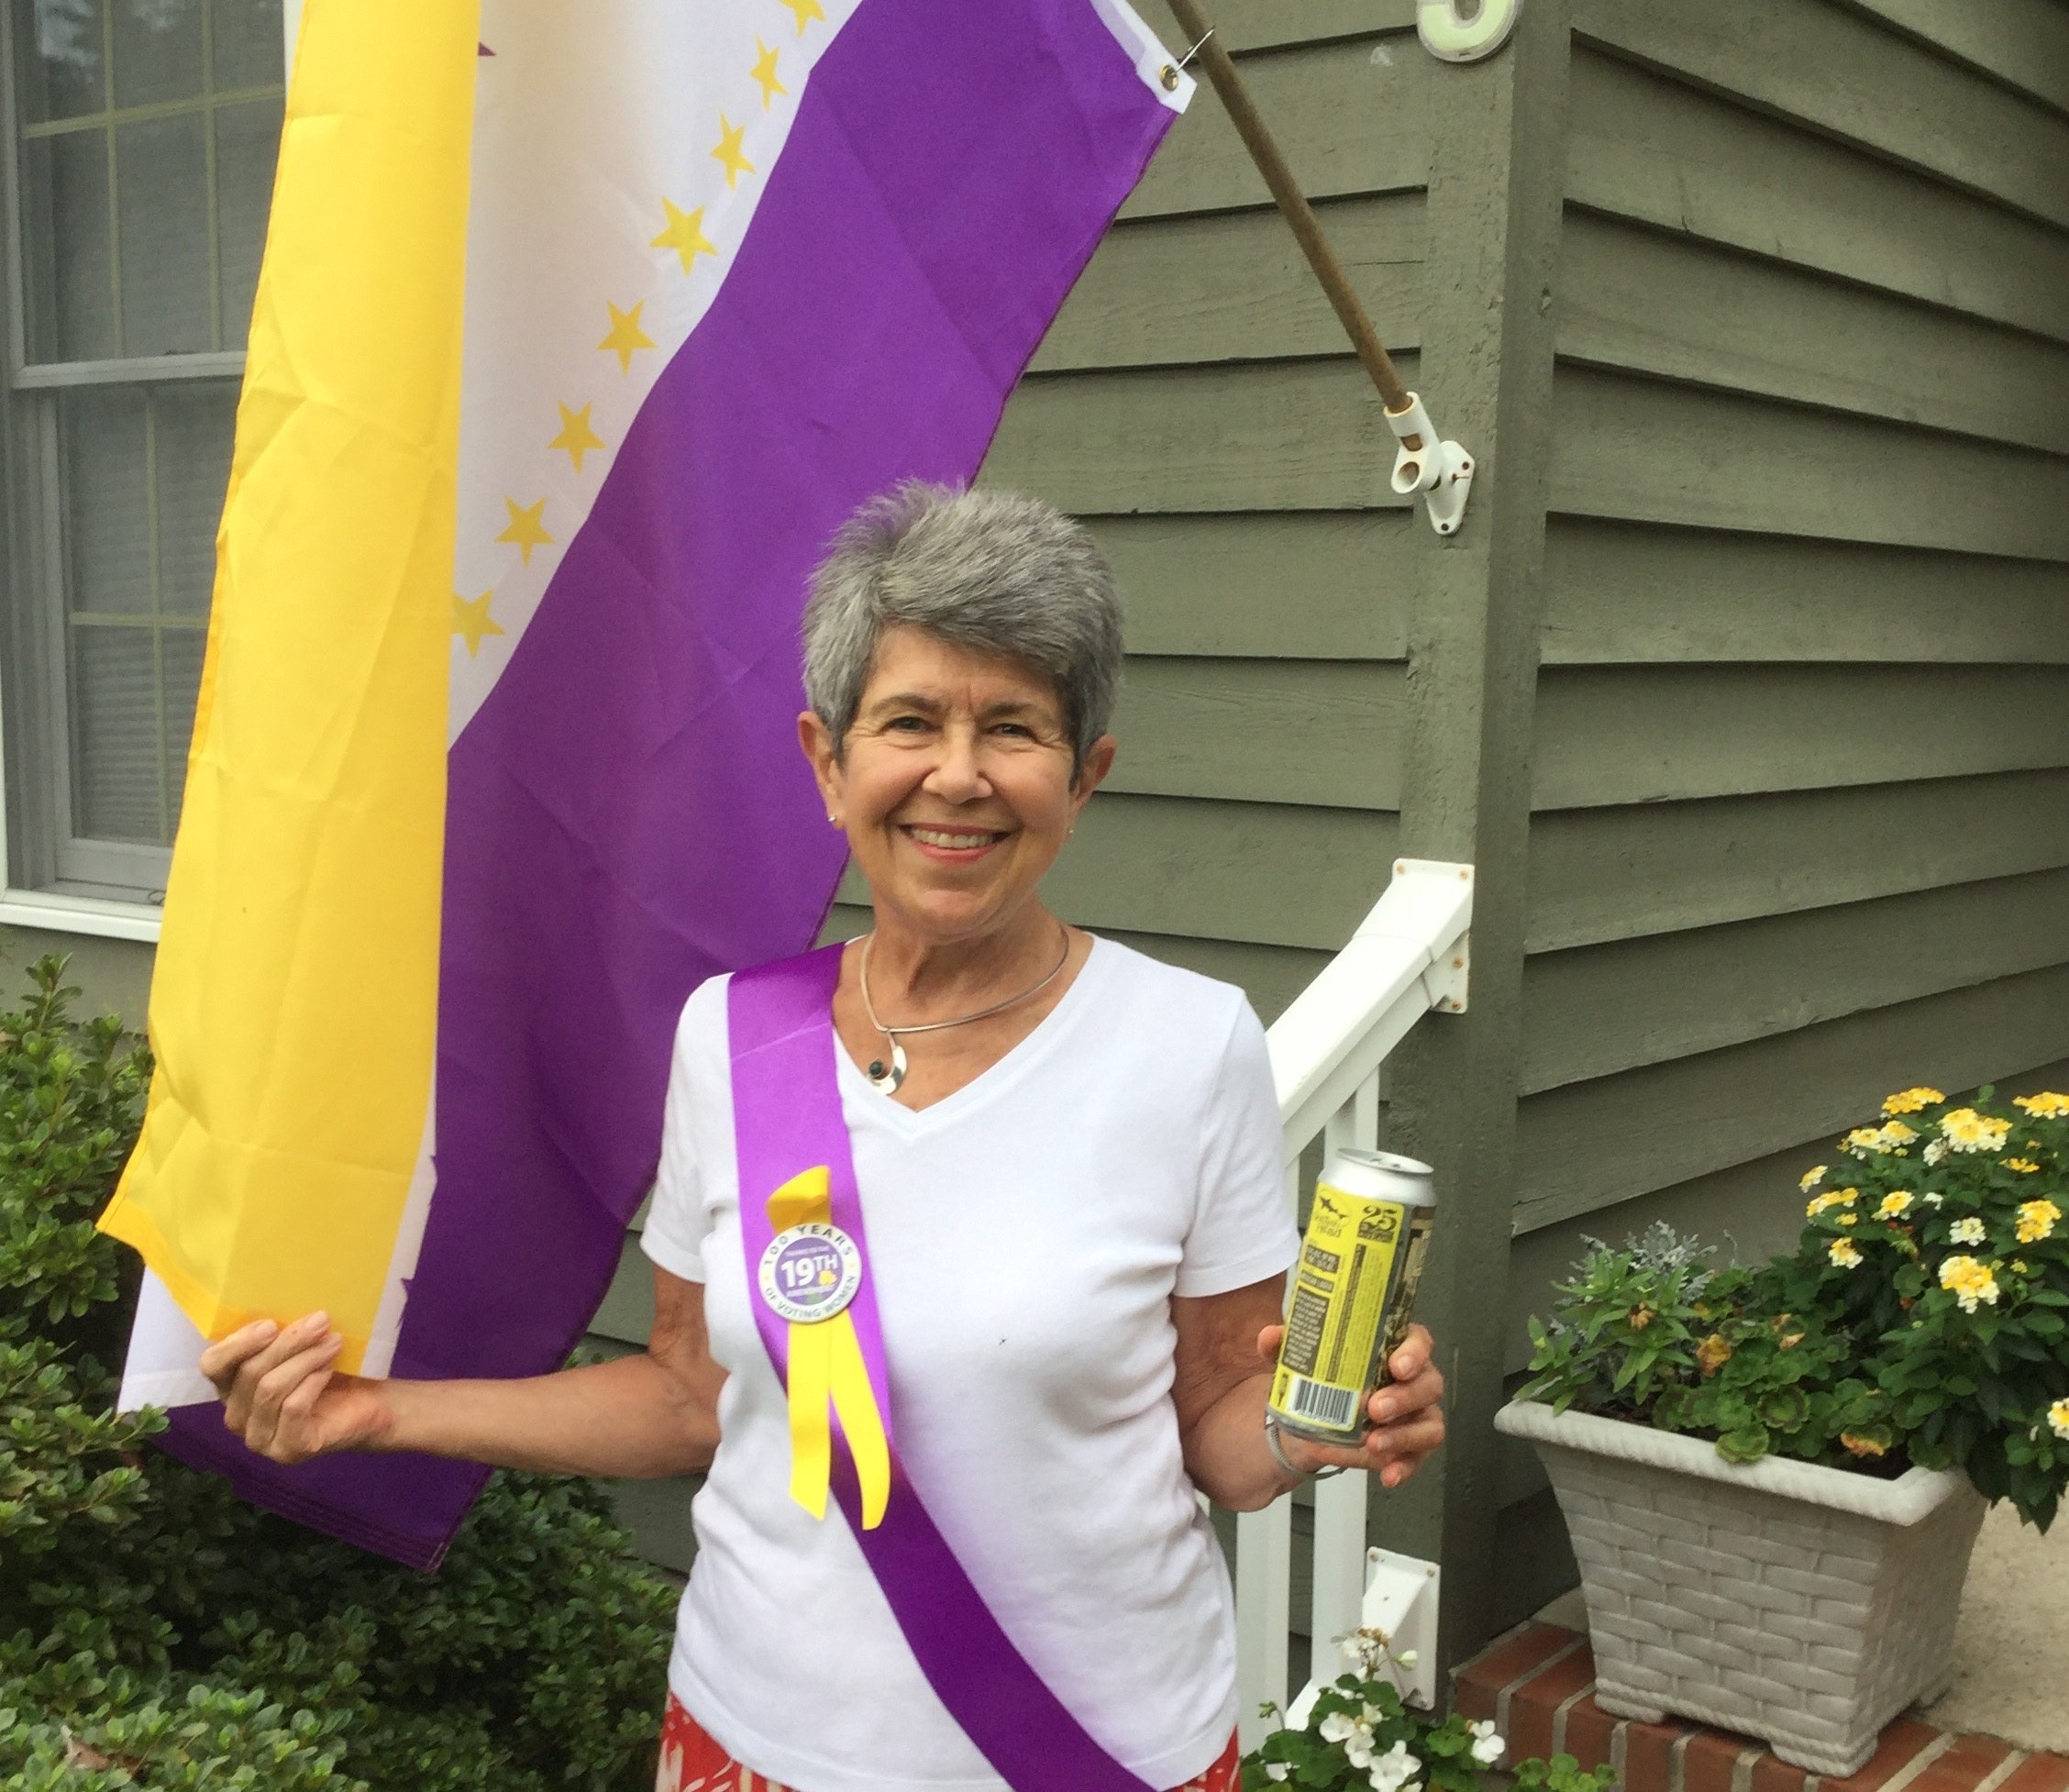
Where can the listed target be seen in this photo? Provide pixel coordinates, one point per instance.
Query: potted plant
(1773, 1475)
(1356, 1732)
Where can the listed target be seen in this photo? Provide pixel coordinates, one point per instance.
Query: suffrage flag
(577, 337)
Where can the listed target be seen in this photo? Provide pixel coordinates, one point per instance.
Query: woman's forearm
(1226, 1453)
(629, 1419)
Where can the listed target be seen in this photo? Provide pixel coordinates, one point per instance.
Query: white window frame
(36, 564)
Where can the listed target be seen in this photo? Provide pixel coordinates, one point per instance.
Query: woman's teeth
(937, 836)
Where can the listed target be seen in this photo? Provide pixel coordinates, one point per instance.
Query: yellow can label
(1352, 1292)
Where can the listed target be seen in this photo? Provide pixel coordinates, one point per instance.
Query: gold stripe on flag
(294, 1001)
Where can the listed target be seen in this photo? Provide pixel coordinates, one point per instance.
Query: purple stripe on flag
(628, 812)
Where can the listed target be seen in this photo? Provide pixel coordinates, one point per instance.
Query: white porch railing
(1407, 956)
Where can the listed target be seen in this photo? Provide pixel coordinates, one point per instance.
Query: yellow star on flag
(806, 11)
(729, 151)
(471, 620)
(625, 333)
(685, 234)
(527, 527)
(576, 436)
(764, 70)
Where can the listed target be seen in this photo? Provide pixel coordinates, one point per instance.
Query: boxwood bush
(156, 1632)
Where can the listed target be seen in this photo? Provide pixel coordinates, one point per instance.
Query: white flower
(1935, 1150)
(1931, 1197)
(1276, 1770)
(1407, 1658)
(1967, 1231)
(1335, 1727)
(1488, 1748)
(1358, 1751)
(1393, 1770)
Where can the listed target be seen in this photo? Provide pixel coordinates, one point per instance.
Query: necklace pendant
(884, 1077)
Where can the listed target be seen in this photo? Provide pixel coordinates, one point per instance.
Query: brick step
(1538, 1685)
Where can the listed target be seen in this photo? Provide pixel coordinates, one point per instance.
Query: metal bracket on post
(1442, 471)
(1400, 1603)
(1445, 982)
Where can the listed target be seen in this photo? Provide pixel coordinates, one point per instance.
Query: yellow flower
(2021, 1266)
(1850, 1219)
(1844, 1254)
(1864, 1139)
(1967, 1130)
(1970, 1280)
(2058, 1419)
(2037, 1221)
(1894, 1207)
(1831, 1198)
(1857, 1444)
(1712, 1354)
(2024, 1166)
(2044, 1106)
(1641, 1317)
(1812, 1178)
(1970, 1231)
(1910, 1100)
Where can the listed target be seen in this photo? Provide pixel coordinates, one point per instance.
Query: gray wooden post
(1494, 221)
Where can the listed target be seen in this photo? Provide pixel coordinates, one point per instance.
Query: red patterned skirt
(691, 1762)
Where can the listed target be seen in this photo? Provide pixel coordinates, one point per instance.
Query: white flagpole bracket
(1440, 471)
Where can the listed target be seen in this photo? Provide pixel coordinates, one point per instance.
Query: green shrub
(156, 1632)
(1922, 1317)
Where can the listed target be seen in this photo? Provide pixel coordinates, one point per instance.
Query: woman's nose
(956, 774)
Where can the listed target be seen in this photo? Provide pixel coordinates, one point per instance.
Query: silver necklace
(887, 1077)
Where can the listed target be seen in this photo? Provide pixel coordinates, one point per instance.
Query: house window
(141, 137)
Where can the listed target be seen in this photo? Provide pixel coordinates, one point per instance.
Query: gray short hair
(993, 572)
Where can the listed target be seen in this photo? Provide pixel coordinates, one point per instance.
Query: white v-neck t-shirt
(1026, 1235)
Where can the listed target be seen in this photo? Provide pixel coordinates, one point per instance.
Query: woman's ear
(816, 740)
(1092, 769)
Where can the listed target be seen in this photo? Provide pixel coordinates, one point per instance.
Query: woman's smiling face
(954, 785)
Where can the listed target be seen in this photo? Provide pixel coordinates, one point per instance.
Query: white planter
(1800, 1604)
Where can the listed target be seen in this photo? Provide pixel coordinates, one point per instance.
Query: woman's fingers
(221, 1361)
(254, 1371)
(1268, 1341)
(264, 1431)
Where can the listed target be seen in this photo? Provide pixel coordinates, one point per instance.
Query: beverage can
(1353, 1292)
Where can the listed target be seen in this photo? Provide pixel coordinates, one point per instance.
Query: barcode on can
(1333, 1406)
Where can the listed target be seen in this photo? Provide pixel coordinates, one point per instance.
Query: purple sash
(787, 1119)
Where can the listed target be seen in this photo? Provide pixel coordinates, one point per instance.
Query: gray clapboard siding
(1273, 874)
(1659, 734)
(1173, 290)
(1285, 436)
(1609, 874)
(1265, 731)
(1658, 301)
(1269, 873)
(1851, 77)
(1598, 1010)
(1648, 148)
(1647, 450)
(1621, 592)
(1307, 94)
(626, 1314)
(1321, 585)
(2024, 43)
(1590, 1145)
(1263, 24)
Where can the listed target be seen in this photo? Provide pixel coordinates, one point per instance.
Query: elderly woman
(1061, 1320)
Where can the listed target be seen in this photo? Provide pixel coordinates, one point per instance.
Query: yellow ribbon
(826, 1368)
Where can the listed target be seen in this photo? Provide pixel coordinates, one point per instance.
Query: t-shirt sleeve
(1243, 1226)
(678, 1218)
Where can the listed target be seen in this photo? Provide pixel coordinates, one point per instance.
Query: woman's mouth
(957, 843)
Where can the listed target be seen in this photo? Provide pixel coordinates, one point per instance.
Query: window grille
(142, 138)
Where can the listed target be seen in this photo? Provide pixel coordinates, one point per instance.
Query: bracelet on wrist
(1274, 1442)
